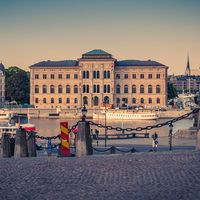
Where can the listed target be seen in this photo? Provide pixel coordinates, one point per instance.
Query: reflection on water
(51, 127)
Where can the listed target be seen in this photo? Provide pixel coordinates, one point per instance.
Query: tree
(17, 85)
(171, 91)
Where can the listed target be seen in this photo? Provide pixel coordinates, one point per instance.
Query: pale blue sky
(161, 30)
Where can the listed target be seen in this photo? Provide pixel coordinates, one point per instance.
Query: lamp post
(105, 102)
(170, 136)
(84, 112)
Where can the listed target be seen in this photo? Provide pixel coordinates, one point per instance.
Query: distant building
(2, 84)
(95, 78)
(195, 72)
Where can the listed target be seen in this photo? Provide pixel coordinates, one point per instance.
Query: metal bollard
(12, 146)
(112, 150)
(31, 144)
(5, 145)
(49, 148)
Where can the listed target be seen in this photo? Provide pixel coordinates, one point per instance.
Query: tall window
(106, 88)
(44, 76)
(52, 89)
(60, 76)
(141, 89)
(133, 100)
(60, 89)
(52, 76)
(149, 88)
(85, 100)
(118, 101)
(52, 100)
(67, 100)
(126, 89)
(133, 88)
(44, 89)
(117, 76)
(142, 100)
(36, 100)
(158, 100)
(106, 74)
(134, 76)
(141, 76)
(36, 76)
(75, 100)
(85, 74)
(157, 89)
(150, 100)
(118, 88)
(85, 88)
(67, 76)
(158, 76)
(150, 76)
(75, 76)
(98, 89)
(96, 101)
(75, 89)
(67, 88)
(94, 88)
(94, 74)
(125, 76)
(36, 89)
(60, 100)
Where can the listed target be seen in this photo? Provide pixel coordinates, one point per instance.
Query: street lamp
(105, 102)
(170, 136)
(84, 112)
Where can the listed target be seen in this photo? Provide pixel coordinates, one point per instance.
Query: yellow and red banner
(65, 146)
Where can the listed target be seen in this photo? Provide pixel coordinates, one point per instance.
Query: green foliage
(171, 91)
(17, 85)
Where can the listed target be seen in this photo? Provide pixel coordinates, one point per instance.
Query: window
(94, 88)
(158, 76)
(36, 100)
(142, 100)
(158, 100)
(118, 100)
(125, 76)
(36, 76)
(67, 76)
(36, 89)
(133, 75)
(44, 89)
(68, 100)
(126, 89)
(133, 100)
(118, 89)
(52, 89)
(149, 88)
(67, 88)
(60, 76)
(149, 76)
(157, 89)
(133, 88)
(142, 76)
(96, 101)
(52, 100)
(94, 74)
(150, 100)
(75, 89)
(104, 89)
(125, 100)
(75, 100)
(60, 89)
(98, 89)
(44, 76)
(52, 76)
(117, 76)
(108, 88)
(98, 74)
(141, 89)
(75, 76)
(104, 74)
(44, 100)
(60, 100)
(85, 74)
(85, 88)
(85, 100)
(108, 74)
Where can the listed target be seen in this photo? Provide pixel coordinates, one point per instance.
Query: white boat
(126, 114)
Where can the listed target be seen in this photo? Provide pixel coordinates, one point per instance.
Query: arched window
(104, 89)
(133, 88)
(141, 88)
(87, 89)
(36, 100)
(158, 100)
(75, 89)
(133, 100)
(126, 89)
(36, 89)
(67, 100)
(60, 89)
(44, 100)
(149, 88)
(157, 89)
(44, 89)
(108, 88)
(75, 100)
(67, 88)
(52, 100)
(52, 89)
(85, 100)
(150, 100)
(106, 100)
(60, 100)
(98, 74)
(142, 100)
(94, 88)
(98, 89)
(108, 74)
(118, 101)
(96, 101)
(94, 74)
(104, 74)
(118, 89)
(87, 74)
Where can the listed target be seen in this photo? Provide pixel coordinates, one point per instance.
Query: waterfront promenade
(167, 175)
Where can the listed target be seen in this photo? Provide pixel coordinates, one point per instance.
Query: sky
(161, 30)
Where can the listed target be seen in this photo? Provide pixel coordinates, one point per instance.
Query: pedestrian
(155, 141)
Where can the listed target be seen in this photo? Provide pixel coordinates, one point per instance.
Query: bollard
(112, 150)
(49, 148)
(31, 145)
(5, 145)
(65, 146)
(197, 120)
(12, 146)
(198, 141)
(83, 140)
(21, 149)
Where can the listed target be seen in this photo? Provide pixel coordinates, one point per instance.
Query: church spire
(187, 71)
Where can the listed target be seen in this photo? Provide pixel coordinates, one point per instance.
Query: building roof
(138, 63)
(2, 68)
(50, 63)
(96, 54)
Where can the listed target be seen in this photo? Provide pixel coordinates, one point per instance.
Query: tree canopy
(17, 85)
(171, 91)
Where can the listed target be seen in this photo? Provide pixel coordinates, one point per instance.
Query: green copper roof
(97, 52)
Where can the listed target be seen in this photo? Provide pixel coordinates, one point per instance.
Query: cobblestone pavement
(130, 176)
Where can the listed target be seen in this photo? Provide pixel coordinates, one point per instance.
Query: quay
(147, 176)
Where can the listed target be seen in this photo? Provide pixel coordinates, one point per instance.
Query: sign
(65, 147)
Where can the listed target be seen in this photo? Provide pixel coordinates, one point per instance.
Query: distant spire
(187, 71)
